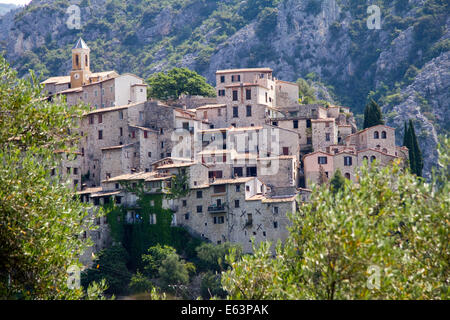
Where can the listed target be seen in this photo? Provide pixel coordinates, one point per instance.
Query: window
(383, 135)
(275, 123)
(91, 119)
(249, 111)
(275, 224)
(308, 123)
(235, 112)
(100, 134)
(347, 175)
(376, 135)
(219, 112)
(68, 170)
(219, 188)
(199, 209)
(199, 194)
(347, 161)
(219, 220)
(222, 79)
(327, 124)
(120, 115)
(133, 134)
(162, 144)
(75, 170)
(322, 160)
(236, 203)
(266, 96)
(248, 94)
(236, 78)
(221, 93)
(238, 188)
(184, 203)
(295, 124)
(275, 210)
(327, 137)
(235, 95)
(285, 151)
(149, 154)
(141, 115)
(372, 158)
(121, 131)
(145, 134)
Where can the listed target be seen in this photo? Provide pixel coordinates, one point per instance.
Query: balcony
(216, 209)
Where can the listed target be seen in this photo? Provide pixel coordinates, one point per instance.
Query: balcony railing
(215, 208)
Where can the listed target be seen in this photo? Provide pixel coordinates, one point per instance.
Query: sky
(21, 2)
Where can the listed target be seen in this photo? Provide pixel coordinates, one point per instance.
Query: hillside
(404, 65)
(6, 7)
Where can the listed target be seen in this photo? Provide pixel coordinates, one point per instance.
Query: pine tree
(372, 115)
(418, 159)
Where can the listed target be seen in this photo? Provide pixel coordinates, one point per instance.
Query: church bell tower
(79, 75)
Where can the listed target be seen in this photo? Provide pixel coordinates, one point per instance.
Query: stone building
(248, 153)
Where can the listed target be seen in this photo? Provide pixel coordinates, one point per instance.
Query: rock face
(404, 64)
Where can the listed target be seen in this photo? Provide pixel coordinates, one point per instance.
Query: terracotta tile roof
(232, 181)
(115, 108)
(57, 80)
(117, 147)
(90, 190)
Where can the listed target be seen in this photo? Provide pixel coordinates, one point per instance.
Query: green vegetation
(372, 115)
(41, 219)
(178, 81)
(415, 155)
(382, 238)
(337, 182)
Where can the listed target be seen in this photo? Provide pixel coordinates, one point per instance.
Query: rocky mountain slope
(404, 65)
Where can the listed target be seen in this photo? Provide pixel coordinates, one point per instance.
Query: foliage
(314, 7)
(178, 81)
(173, 271)
(140, 283)
(179, 186)
(337, 182)
(41, 218)
(267, 22)
(211, 286)
(388, 225)
(415, 155)
(372, 115)
(306, 92)
(212, 257)
(153, 260)
(110, 265)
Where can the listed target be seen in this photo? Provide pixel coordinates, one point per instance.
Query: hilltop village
(245, 158)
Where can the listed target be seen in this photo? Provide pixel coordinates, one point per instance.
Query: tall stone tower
(80, 64)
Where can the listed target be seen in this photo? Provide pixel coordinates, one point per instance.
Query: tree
(306, 92)
(111, 265)
(153, 260)
(140, 283)
(372, 115)
(418, 160)
(212, 257)
(173, 271)
(178, 81)
(415, 155)
(382, 238)
(337, 182)
(323, 179)
(41, 218)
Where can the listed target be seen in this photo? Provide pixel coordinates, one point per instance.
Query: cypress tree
(408, 142)
(372, 114)
(418, 159)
